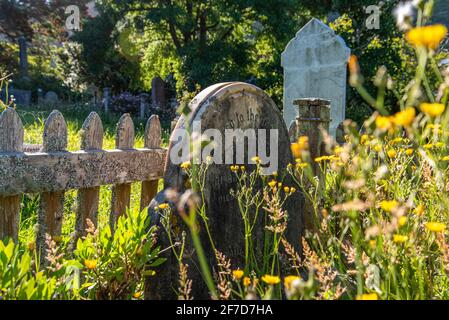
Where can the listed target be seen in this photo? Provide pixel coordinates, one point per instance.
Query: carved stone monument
(314, 63)
(224, 107)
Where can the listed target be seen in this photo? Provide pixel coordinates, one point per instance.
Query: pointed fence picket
(54, 170)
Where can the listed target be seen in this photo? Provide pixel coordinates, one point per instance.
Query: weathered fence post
(51, 209)
(121, 193)
(91, 139)
(11, 140)
(152, 140)
(313, 117)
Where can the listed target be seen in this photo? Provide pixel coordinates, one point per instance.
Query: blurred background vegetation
(124, 44)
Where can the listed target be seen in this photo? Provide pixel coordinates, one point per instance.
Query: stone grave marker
(51, 98)
(158, 93)
(314, 63)
(225, 106)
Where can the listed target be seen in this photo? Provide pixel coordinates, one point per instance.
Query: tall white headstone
(314, 63)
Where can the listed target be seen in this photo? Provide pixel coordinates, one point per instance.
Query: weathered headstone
(23, 55)
(51, 98)
(224, 107)
(314, 65)
(158, 93)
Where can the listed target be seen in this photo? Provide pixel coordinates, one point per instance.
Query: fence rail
(53, 170)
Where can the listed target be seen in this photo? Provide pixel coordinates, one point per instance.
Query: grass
(33, 119)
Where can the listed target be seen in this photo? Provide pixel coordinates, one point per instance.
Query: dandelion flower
(435, 226)
(367, 296)
(409, 152)
(255, 159)
(399, 238)
(185, 165)
(246, 281)
(405, 117)
(432, 109)
(272, 183)
(163, 206)
(402, 221)
(90, 264)
(428, 36)
(286, 189)
(238, 274)
(383, 123)
(288, 281)
(419, 210)
(388, 205)
(271, 280)
(391, 153)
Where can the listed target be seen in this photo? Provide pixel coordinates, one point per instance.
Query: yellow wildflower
(372, 243)
(378, 147)
(432, 109)
(185, 165)
(272, 183)
(288, 281)
(271, 280)
(163, 206)
(31, 245)
(428, 36)
(255, 159)
(338, 150)
(286, 189)
(409, 151)
(238, 274)
(300, 146)
(435, 226)
(399, 238)
(234, 168)
(383, 123)
(137, 294)
(402, 221)
(90, 264)
(292, 190)
(446, 158)
(246, 281)
(367, 296)
(388, 205)
(419, 210)
(428, 146)
(405, 117)
(391, 153)
(242, 168)
(301, 165)
(364, 139)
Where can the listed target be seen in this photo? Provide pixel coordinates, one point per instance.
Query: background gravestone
(224, 106)
(314, 63)
(51, 98)
(158, 93)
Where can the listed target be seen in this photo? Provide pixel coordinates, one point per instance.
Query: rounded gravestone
(51, 98)
(235, 109)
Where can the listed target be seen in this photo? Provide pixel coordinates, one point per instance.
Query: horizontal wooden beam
(57, 171)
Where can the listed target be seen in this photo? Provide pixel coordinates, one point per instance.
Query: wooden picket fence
(53, 170)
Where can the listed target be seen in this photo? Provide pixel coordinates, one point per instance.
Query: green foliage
(105, 265)
(17, 279)
(116, 263)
